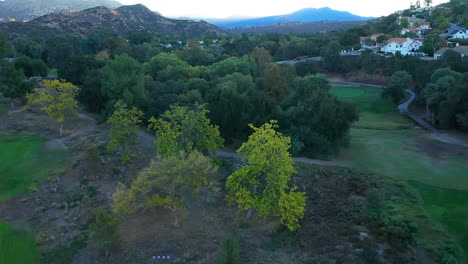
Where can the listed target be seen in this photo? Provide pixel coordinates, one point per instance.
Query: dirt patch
(430, 145)
(55, 144)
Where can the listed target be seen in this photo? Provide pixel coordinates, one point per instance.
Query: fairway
(24, 163)
(347, 92)
(388, 143)
(16, 246)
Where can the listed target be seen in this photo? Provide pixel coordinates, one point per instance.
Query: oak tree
(124, 124)
(185, 129)
(56, 98)
(167, 183)
(262, 183)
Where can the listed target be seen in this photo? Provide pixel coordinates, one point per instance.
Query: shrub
(230, 252)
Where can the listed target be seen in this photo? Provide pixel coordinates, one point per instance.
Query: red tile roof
(397, 40)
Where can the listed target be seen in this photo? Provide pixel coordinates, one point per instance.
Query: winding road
(403, 108)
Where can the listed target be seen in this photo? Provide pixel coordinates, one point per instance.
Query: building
(405, 46)
(425, 25)
(412, 20)
(372, 39)
(416, 31)
(456, 32)
(463, 50)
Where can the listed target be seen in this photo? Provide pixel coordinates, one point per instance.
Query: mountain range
(122, 20)
(29, 9)
(301, 16)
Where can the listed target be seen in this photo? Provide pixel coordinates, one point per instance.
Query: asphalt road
(403, 108)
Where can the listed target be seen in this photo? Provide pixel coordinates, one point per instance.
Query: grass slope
(388, 143)
(16, 246)
(24, 162)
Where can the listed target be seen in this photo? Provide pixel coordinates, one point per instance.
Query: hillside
(121, 20)
(304, 16)
(29, 9)
(312, 27)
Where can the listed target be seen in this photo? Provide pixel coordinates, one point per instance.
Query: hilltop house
(416, 31)
(463, 50)
(455, 32)
(403, 45)
(425, 25)
(412, 20)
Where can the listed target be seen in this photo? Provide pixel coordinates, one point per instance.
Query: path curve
(403, 108)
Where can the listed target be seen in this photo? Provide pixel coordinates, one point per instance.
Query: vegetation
(56, 99)
(104, 231)
(186, 130)
(124, 124)
(16, 246)
(165, 183)
(230, 252)
(261, 184)
(24, 163)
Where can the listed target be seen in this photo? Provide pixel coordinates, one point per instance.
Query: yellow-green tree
(124, 124)
(56, 98)
(262, 183)
(185, 129)
(167, 183)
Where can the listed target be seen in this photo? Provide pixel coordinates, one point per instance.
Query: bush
(230, 252)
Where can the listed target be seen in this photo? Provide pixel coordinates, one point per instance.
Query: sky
(259, 8)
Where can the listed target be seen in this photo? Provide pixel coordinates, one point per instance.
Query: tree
(124, 125)
(274, 83)
(235, 102)
(104, 231)
(31, 67)
(404, 23)
(399, 81)
(13, 83)
(260, 60)
(318, 122)
(427, 3)
(184, 129)
(123, 79)
(370, 61)
(167, 183)
(56, 99)
(261, 184)
(452, 59)
(5, 48)
(230, 252)
(331, 58)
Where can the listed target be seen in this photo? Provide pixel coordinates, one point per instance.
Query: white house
(463, 50)
(455, 32)
(416, 31)
(403, 45)
(461, 34)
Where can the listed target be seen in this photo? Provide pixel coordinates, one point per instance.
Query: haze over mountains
(29, 9)
(122, 20)
(301, 16)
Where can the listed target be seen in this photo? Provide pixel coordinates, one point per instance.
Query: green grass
(382, 141)
(16, 246)
(52, 72)
(24, 163)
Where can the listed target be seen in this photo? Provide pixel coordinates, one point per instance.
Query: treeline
(236, 79)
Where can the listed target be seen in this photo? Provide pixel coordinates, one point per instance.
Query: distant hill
(122, 20)
(301, 16)
(29, 9)
(311, 27)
